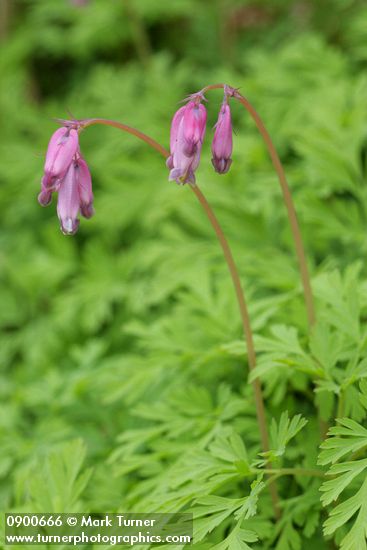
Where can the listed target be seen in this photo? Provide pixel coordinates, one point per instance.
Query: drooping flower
(67, 173)
(222, 143)
(186, 139)
(61, 149)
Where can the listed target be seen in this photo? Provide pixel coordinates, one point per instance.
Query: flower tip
(48, 181)
(69, 226)
(182, 176)
(169, 162)
(87, 210)
(221, 166)
(45, 197)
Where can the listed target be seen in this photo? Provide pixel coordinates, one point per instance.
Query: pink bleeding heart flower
(222, 144)
(61, 149)
(67, 173)
(187, 135)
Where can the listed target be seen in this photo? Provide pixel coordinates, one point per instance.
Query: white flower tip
(69, 226)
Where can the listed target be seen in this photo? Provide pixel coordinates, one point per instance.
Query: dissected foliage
(124, 383)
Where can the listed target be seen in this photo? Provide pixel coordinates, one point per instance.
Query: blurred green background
(114, 343)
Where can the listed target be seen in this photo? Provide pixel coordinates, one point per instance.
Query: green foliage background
(123, 376)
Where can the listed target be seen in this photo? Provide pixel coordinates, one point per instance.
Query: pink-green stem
(259, 402)
(288, 201)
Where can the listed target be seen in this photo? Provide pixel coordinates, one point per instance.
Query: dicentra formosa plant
(67, 173)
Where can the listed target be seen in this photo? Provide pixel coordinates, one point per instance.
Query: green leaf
(58, 484)
(347, 437)
(210, 512)
(281, 433)
(289, 539)
(344, 474)
(237, 540)
(339, 516)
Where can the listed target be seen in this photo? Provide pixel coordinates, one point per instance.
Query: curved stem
(259, 402)
(106, 122)
(301, 256)
(288, 201)
(260, 411)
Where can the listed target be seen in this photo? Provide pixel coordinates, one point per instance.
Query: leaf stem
(259, 402)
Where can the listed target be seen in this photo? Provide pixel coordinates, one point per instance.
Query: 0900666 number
(33, 520)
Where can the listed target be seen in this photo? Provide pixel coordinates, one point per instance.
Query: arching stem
(260, 411)
(259, 402)
(292, 216)
(90, 121)
(288, 201)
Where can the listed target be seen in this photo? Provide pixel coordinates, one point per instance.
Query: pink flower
(67, 173)
(187, 135)
(61, 148)
(222, 144)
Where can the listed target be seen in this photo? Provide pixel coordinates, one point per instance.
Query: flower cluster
(67, 173)
(187, 136)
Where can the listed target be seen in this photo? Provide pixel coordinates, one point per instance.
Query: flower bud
(222, 144)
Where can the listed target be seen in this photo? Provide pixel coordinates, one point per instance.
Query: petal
(194, 122)
(62, 147)
(222, 143)
(84, 182)
(45, 197)
(68, 202)
(177, 117)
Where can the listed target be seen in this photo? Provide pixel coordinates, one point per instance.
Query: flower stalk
(287, 197)
(259, 402)
(67, 173)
